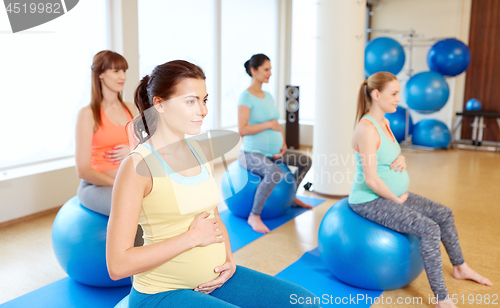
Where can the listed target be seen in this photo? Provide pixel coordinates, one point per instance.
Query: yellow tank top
(168, 211)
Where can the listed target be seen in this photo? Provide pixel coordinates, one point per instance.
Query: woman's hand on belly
(274, 125)
(399, 164)
(226, 271)
(402, 199)
(205, 230)
(118, 154)
(282, 151)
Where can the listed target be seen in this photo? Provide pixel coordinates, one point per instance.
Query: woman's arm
(208, 155)
(366, 139)
(123, 259)
(245, 129)
(227, 269)
(83, 153)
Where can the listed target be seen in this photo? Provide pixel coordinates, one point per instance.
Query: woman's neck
(166, 138)
(109, 98)
(377, 114)
(256, 86)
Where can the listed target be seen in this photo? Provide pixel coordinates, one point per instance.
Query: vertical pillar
(124, 23)
(341, 26)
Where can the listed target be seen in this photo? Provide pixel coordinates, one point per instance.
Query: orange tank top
(105, 138)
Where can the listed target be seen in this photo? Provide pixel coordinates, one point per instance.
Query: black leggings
(431, 222)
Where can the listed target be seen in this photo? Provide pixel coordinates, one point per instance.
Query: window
(248, 28)
(45, 81)
(171, 30)
(303, 62)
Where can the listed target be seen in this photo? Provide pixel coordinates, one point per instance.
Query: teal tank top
(268, 142)
(387, 152)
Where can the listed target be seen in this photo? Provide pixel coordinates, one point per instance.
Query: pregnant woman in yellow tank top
(167, 186)
(380, 190)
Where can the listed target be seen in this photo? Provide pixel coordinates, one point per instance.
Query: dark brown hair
(376, 81)
(255, 61)
(160, 83)
(103, 61)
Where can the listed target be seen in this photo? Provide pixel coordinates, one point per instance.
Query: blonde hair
(376, 81)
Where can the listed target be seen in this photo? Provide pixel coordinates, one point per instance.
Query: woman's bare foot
(465, 272)
(256, 223)
(446, 304)
(297, 202)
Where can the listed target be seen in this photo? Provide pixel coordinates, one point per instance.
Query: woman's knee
(272, 174)
(447, 213)
(305, 161)
(430, 231)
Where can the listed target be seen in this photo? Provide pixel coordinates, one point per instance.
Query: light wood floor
(466, 181)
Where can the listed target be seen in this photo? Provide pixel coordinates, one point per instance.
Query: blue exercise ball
(431, 133)
(449, 57)
(365, 254)
(239, 186)
(426, 92)
(397, 121)
(124, 303)
(79, 242)
(384, 54)
(473, 104)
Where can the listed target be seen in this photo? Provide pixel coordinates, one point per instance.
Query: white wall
(434, 19)
(442, 18)
(31, 194)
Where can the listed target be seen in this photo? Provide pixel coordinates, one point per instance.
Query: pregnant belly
(195, 266)
(268, 142)
(398, 182)
(275, 142)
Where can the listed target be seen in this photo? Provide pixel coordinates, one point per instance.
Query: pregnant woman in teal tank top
(263, 142)
(380, 190)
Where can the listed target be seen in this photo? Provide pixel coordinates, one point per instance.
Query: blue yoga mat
(310, 273)
(241, 234)
(67, 293)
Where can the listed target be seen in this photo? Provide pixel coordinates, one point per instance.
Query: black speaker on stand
(292, 116)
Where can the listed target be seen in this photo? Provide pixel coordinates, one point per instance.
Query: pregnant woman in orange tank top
(101, 138)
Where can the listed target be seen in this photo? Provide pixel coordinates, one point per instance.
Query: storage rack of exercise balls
(425, 92)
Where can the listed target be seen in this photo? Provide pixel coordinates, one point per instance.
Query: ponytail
(362, 101)
(247, 68)
(143, 101)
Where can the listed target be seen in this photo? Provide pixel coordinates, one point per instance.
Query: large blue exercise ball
(79, 242)
(239, 186)
(449, 57)
(431, 133)
(397, 121)
(473, 104)
(365, 254)
(124, 303)
(384, 54)
(426, 92)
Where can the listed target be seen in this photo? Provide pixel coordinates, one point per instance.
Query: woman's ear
(253, 71)
(375, 94)
(157, 102)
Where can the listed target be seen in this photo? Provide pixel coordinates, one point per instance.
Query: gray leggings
(431, 222)
(270, 173)
(95, 198)
(98, 199)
